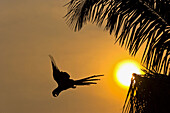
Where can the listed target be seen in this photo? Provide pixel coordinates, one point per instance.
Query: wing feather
(58, 75)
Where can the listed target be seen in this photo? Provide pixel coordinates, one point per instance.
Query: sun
(124, 72)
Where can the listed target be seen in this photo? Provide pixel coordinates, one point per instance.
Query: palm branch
(134, 23)
(148, 94)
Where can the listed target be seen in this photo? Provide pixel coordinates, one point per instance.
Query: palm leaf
(148, 94)
(134, 23)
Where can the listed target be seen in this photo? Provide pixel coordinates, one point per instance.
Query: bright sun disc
(125, 70)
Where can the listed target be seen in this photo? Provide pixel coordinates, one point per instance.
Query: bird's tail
(87, 80)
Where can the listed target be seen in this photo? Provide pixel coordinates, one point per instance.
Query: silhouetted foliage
(64, 82)
(134, 23)
(148, 93)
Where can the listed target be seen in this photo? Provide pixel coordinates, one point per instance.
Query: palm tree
(134, 23)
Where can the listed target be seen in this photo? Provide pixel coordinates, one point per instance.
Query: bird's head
(56, 92)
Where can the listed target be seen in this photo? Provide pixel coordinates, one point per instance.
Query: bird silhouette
(64, 82)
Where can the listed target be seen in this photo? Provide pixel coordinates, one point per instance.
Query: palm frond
(148, 94)
(134, 23)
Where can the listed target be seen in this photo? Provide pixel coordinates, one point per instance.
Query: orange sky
(29, 32)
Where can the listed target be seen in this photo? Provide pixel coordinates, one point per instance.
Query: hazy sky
(30, 30)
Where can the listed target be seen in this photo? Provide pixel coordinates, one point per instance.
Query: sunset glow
(124, 72)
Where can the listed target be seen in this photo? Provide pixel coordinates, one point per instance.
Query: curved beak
(54, 94)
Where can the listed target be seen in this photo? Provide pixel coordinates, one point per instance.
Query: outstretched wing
(58, 75)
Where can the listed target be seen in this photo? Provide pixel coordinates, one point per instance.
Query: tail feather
(85, 81)
(92, 79)
(89, 78)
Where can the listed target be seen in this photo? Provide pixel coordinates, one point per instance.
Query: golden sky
(30, 30)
